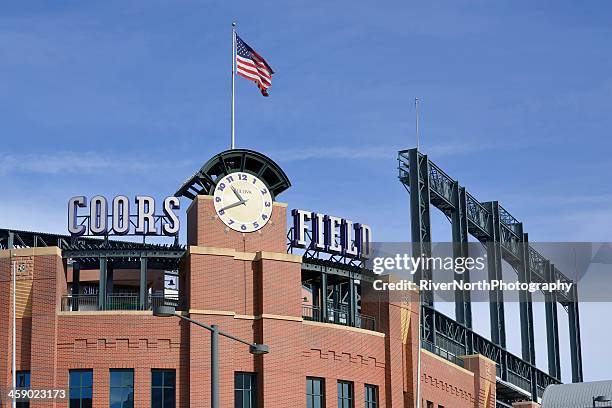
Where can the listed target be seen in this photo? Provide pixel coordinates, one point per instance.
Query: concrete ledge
(200, 250)
(108, 313)
(211, 312)
(245, 317)
(445, 361)
(38, 251)
(244, 256)
(242, 317)
(478, 356)
(280, 317)
(341, 327)
(278, 256)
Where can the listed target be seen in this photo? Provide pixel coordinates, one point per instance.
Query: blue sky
(133, 96)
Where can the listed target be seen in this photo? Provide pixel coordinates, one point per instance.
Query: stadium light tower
(254, 348)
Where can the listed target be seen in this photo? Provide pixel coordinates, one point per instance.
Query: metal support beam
(552, 326)
(324, 316)
(419, 215)
(463, 306)
(352, 305)
(574, 331)
(102, 285)
(526, 312)
(110, 279)
(496, 297)
(143, 284)
(525, 305)
(76, 283)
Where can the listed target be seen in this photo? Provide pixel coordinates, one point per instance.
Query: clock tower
(234, 203)
(238, 273)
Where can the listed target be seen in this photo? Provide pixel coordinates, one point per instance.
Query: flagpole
(233, 141)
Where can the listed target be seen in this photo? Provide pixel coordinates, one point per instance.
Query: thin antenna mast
(416, 121)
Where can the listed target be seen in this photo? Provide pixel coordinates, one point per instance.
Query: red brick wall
(251, 288)
(444, 384)
(101, 341)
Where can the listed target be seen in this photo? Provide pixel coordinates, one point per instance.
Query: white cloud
(76, 163)
(371, 152)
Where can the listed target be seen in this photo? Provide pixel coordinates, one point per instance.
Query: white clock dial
(243, 202)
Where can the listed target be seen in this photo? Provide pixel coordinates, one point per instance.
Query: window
(245, 393)
(163, 388)
(315, 392)
(80, 388)
(122, 388)
(345, 394)
(371, 396)
(23, 383)
(430, 404)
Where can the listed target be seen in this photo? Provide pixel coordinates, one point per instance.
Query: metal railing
(115, 301)
(122, 302)
(439, 351)
(338, 316)
(79, 302)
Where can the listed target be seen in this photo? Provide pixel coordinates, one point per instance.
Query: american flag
(252, 66)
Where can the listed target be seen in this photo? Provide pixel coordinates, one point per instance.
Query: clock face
(242, 202)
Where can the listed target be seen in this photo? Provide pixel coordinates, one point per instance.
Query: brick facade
(249, 286)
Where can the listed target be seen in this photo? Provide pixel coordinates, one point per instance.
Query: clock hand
(238, 194)
(236, 204)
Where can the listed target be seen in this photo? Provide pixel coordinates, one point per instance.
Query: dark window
(430, 404)
(122, 388)
(163, 388)
(315, 392)
(245, 392)
(80, 388)
(345, 394)
(371, 396)
(23, 383)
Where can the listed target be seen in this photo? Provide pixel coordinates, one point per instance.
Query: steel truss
(504, 238)
(453, 340)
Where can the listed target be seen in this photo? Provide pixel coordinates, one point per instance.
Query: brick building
(107, 349)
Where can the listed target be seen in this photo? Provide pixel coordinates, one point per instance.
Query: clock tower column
(247, 284)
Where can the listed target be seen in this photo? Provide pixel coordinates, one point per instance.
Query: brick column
(250, 287)
(6, 324)
(396, 315)
(46, 294)
(278, 283)
(484, 380)
(40, 284)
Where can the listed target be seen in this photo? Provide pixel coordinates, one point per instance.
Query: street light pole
(254, 348)
(214, 366)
